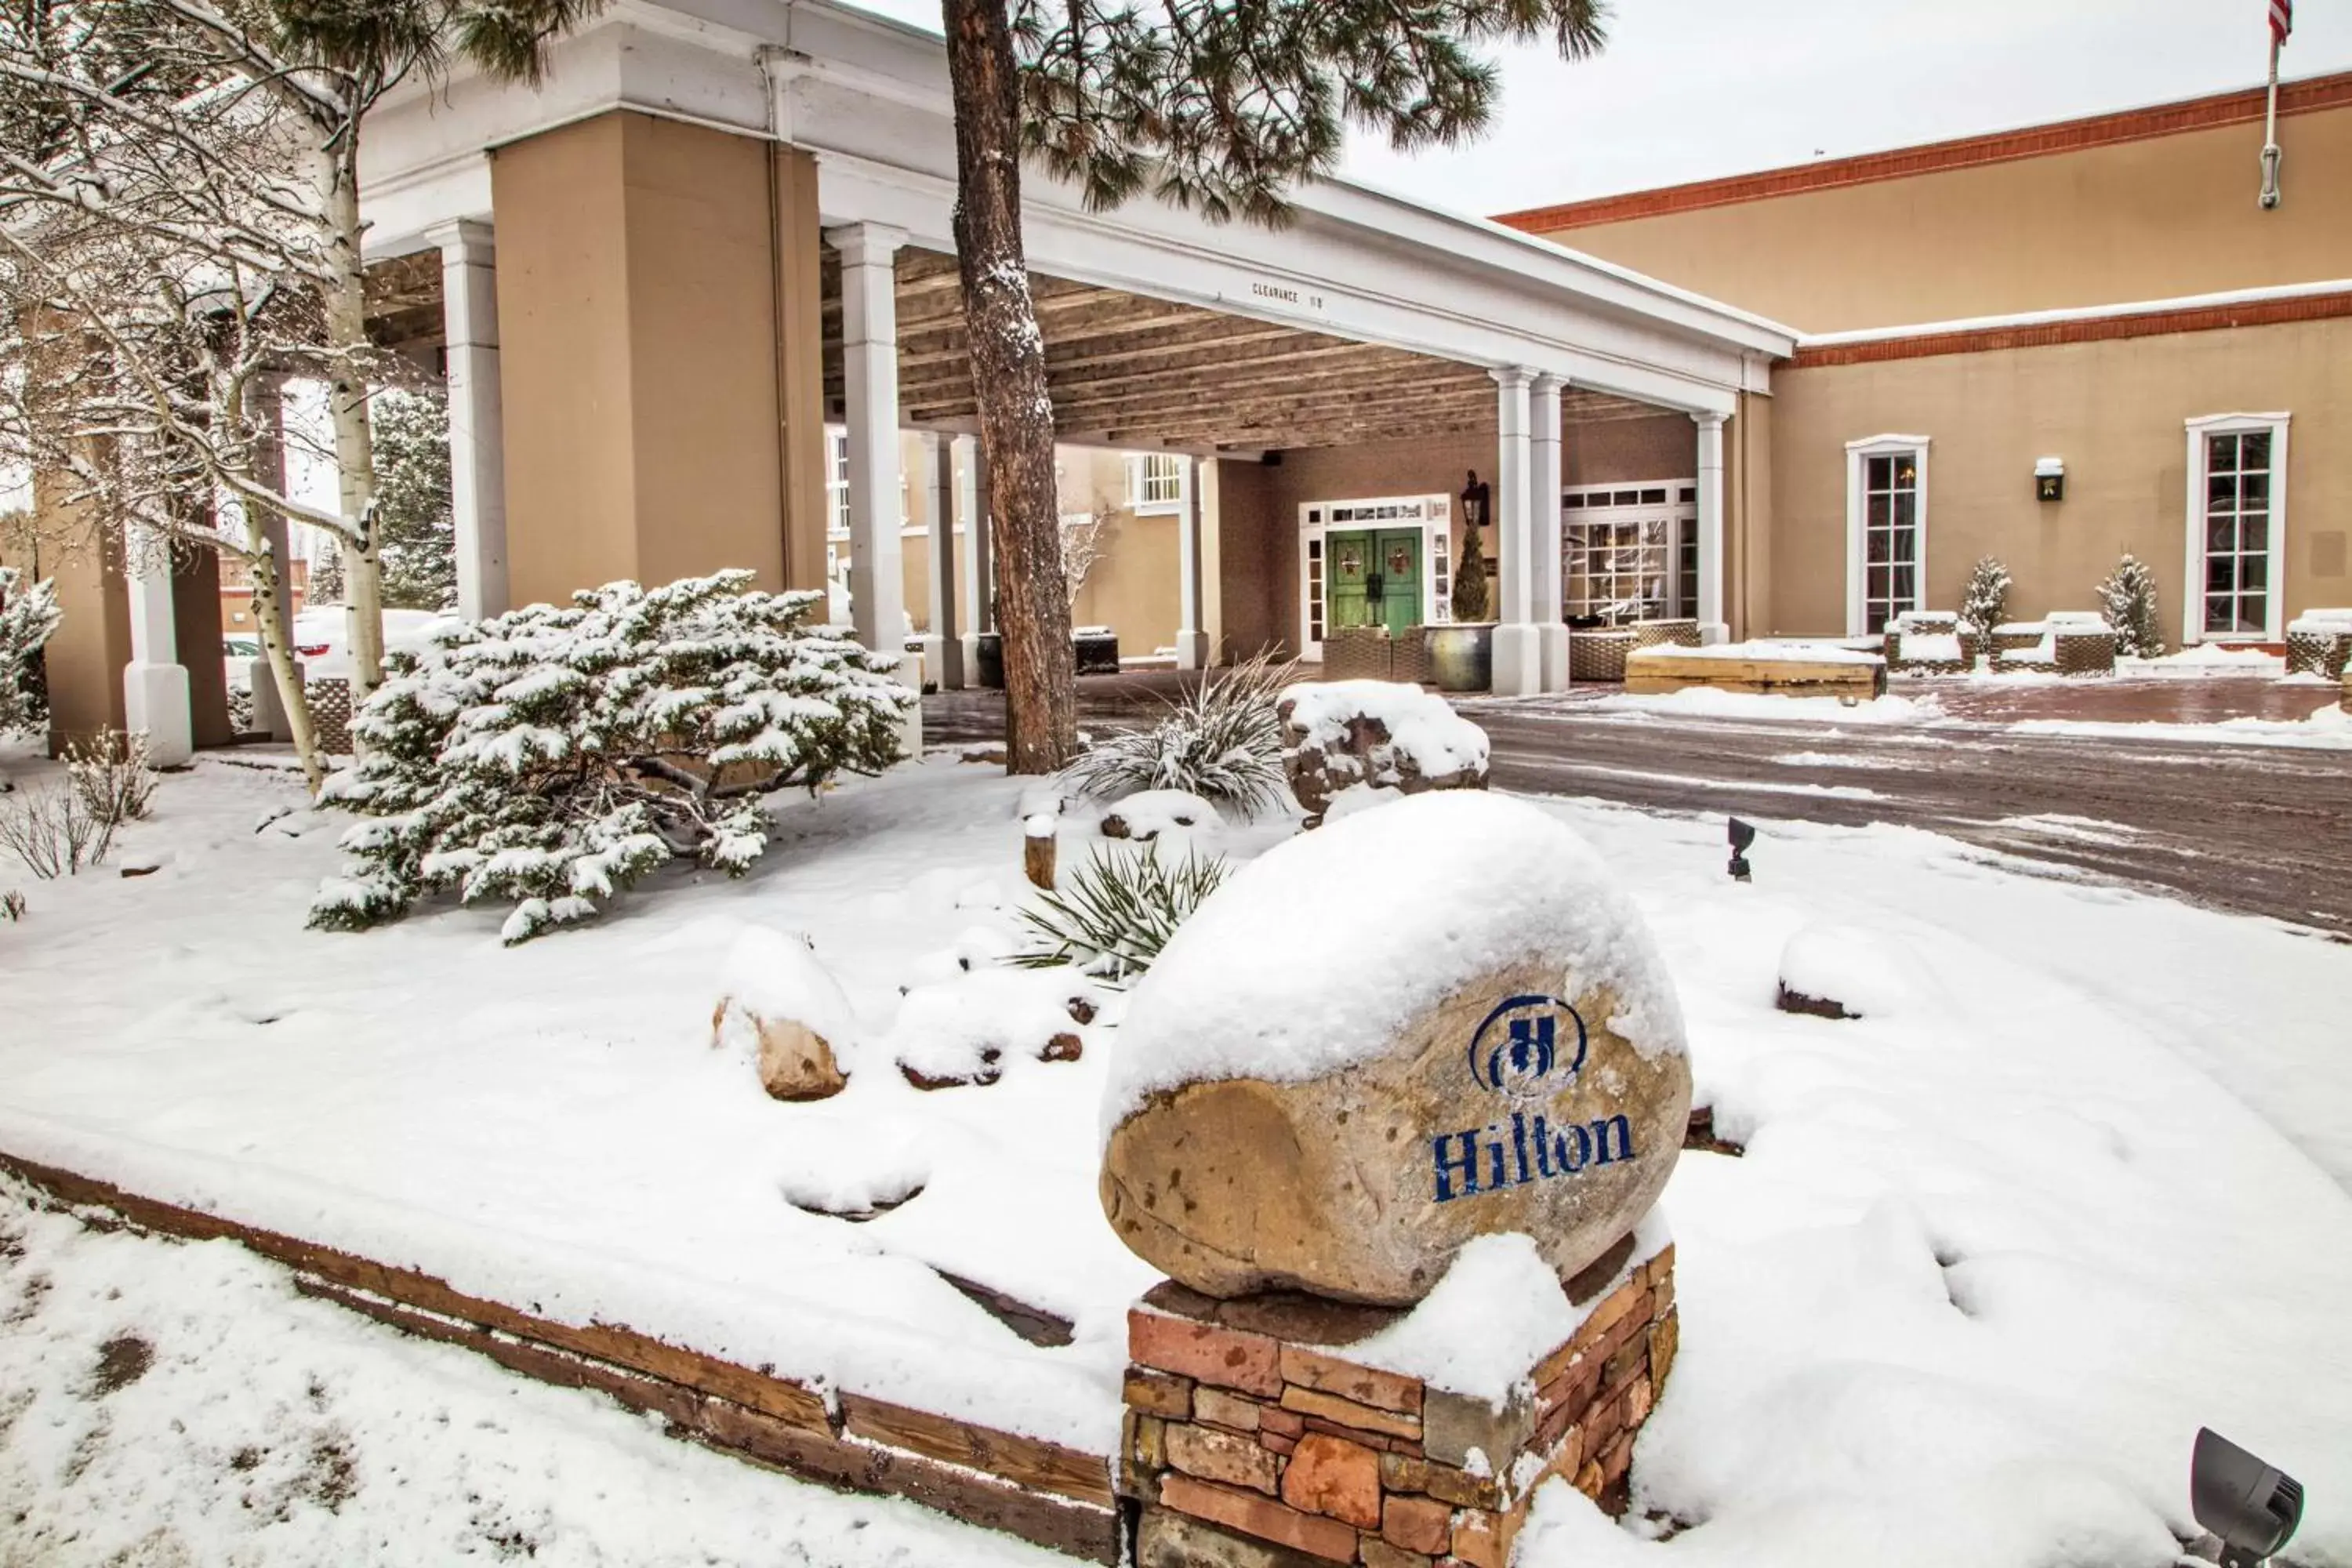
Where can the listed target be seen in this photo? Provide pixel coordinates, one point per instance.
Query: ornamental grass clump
(1222, 742)
(554, 757)
(1116, 912)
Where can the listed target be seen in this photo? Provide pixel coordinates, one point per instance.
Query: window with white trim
(1155, 481)
(1886, 530)
(2237, 521)
(836, 482)
(1627, 550)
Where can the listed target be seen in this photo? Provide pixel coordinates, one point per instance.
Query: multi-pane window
(2237, 545)
(1155, 481)
(1628, 555)
(836, 483)
(1314, 587)
(1686, 554)
(1890, 537)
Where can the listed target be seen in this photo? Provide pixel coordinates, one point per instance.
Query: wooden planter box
(1790, 674)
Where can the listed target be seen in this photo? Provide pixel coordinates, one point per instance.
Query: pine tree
(1201, 103)
(554, 757)
(2127, 598)
(1985, 602)
(28, 614)
(1469, 598)
(416, 525)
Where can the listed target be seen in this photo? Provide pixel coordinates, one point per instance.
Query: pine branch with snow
(415, 519)
(1984, 603)
(552, 758)
(29, 615)
(2127, 599)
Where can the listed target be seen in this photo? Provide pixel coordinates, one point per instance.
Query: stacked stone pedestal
(1252, 1441)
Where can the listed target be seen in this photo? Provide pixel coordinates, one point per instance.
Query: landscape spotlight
(1742, 836)
(2253, 1507)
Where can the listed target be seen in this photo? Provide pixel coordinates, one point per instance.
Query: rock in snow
(782, 1010)
(1389, 735)
(1419, 1025)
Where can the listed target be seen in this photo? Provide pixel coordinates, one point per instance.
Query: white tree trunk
(347, 402)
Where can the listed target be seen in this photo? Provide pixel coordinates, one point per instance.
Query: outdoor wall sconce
(2050, 478)
(1476, 497)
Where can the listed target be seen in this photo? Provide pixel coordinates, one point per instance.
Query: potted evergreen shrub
(1461, 654)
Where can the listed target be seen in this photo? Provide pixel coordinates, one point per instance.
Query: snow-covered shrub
(1469, 593)
(1220, 742)
(111, 775)
(1113, 915)
(2127, 598)
(555, 757)
(52, 830)
(28, 614)
(12, 906)
(1984, 603)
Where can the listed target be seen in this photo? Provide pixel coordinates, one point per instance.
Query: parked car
(320, 641)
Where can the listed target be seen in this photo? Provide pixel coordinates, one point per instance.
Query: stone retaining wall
(1248, 1443)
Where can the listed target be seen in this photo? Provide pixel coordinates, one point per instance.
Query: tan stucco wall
(2113, 410)
(637, 297)
(2151, 219)
(84, 658)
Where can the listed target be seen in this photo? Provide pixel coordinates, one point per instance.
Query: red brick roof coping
(2082, 330)
(2305, 97)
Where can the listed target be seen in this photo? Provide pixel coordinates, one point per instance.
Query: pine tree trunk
(1008, 375)
(347, 392)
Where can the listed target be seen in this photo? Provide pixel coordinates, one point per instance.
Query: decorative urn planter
(990, 646)
(1462, 658)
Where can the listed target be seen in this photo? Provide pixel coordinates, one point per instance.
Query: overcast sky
(1692, 88)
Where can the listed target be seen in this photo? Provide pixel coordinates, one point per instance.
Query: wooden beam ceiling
(1125, 369)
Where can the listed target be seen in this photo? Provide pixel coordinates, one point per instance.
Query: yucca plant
(1220, 740)
(1114, 914)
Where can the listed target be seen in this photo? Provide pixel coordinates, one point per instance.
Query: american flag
(2282, 19)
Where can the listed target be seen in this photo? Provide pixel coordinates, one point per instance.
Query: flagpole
(2270, 134)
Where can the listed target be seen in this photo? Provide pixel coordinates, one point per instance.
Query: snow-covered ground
(167, 1405)
(2077, 1184)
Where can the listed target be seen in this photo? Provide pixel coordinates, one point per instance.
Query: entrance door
(1374, 578)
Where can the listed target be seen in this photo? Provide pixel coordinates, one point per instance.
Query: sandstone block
(1335, 1477)
(1479, 1540)
(1348, 1412)
(1417, 1524)
(1379, 1553)
(1261, 1517)
(1251, 1363)
(1158, 1393)
(1164, 1539)
(1215, 1456)
(1219, 1408)
(1666, 1338)
(1454, 1425)
(1362, 1385)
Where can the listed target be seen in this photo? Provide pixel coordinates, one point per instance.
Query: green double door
(1373, 578)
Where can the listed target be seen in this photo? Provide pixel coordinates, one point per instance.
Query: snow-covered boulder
(1147, 813)
(1389, 735)
(1436, 1020)
(781, 1009)
(971, 1029)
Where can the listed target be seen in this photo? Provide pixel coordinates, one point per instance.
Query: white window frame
(2192, 582)
(1857, 566)
(1432, 514)
(1597, 507)
(837, 481)
(1139, 475)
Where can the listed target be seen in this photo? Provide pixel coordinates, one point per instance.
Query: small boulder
(1146, 815)
(1388, 735)
(970, 1030)
(1433, 1022)
(782, 1010)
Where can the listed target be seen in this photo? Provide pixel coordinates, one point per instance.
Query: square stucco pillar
(478, 484)
(1519, 644)
(154, 683)
(870, 356)
(980, 565)
(1711, 626)
(942, 648)
(1191, 633)
(1552, 628)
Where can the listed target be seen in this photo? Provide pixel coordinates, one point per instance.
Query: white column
(477, 482)
(869, 352)
(942, 649)
(1192, 640)
(154, 683)
(1544, 526)
(268, 410)
(980, 556)
(1712, 627)
(1519, 648)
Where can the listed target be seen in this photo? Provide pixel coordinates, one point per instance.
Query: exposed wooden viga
(1663, 669)
(1057, 1497)
(1123, 368)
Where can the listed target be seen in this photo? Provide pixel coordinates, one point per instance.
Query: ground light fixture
(2252, 1506)
(1742, 836)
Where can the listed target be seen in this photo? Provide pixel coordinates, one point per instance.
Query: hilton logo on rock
(1528, 1049)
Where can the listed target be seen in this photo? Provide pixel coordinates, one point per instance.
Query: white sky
(1688, 90)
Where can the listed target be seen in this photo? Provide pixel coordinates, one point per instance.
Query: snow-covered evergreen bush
(29, 616)
(1116, 911)
(1984, 605)
(1220, 742)
(553, 757)
(2127, 599)
(1469, 596)
(415, 521)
